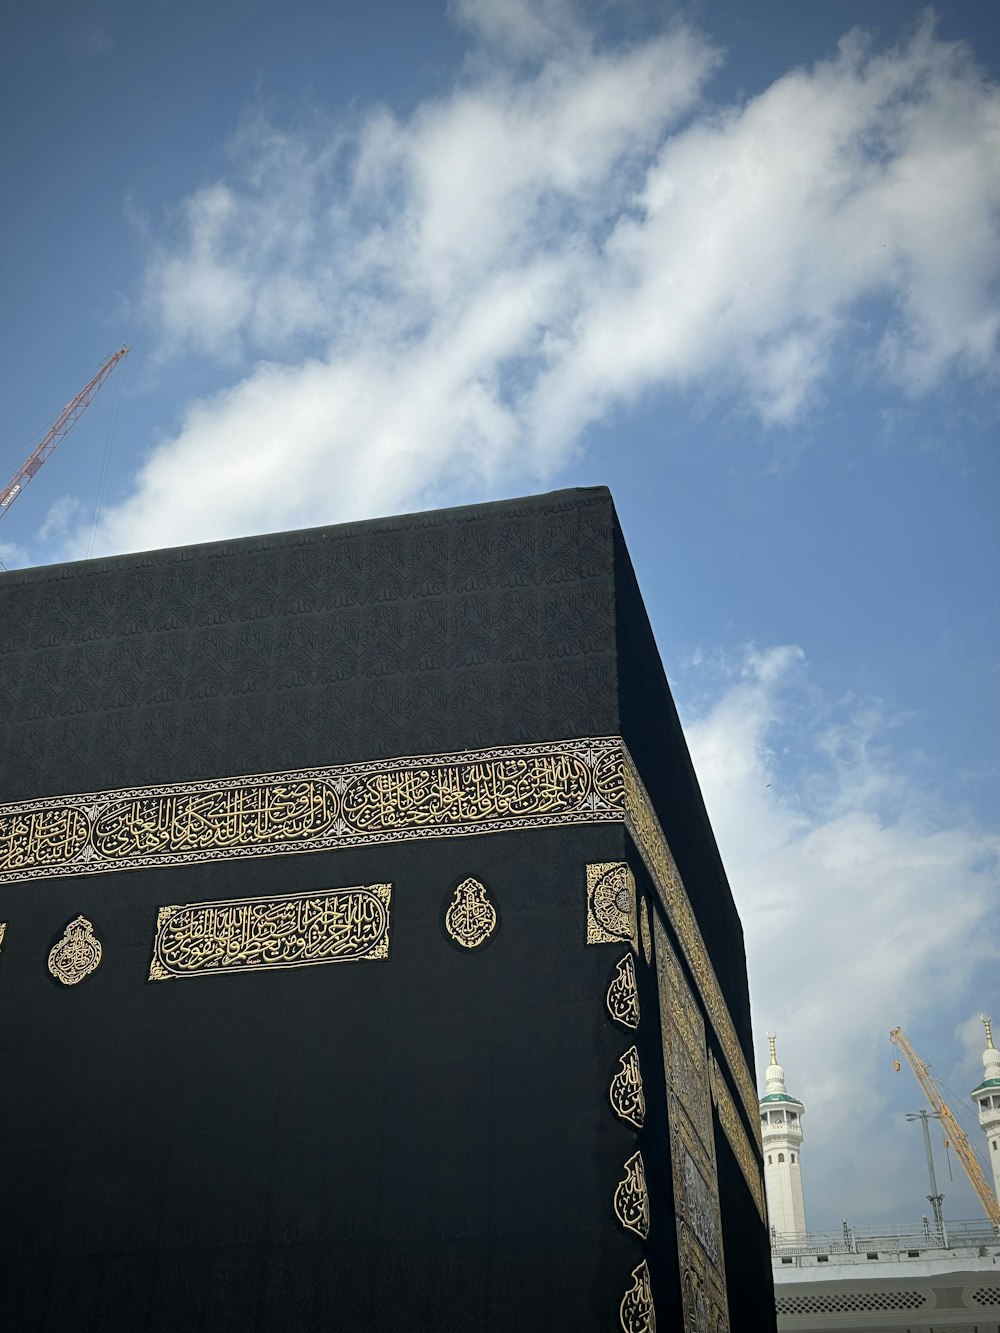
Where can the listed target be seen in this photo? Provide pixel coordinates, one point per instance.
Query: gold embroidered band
(739, 1140)
(300, 930)
(349, 805)
(692, 1145)
(585, 781)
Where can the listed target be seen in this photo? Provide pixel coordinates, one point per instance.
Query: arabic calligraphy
(472, 792)
(76, 954)
(703, 1299)
(627, 1100)
(631, 1201)
(46, 838)
(610, 903)
(254, 934)
(196, 821)
(470, 918)
(692, 1140)
(739, 1140)
(645, 828)
(699, 1220)
(683, 1035)
(623, 994)
(536, 785)
(700, 1207)
(636, 1310)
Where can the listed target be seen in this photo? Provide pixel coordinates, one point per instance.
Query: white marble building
(897, 1280)
(781, 1128)
(987, 1098)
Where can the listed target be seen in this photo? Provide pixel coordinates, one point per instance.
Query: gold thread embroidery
(610, 903)
(645, 829)
(468, 793)
(692, 1141)
(647, 943)
(3, 932)
(41, 839)
(76, 954)
(472, 792)
(704, 1304)
(631, 1201)
(471, 918)
(586, 781)
(636, 1310)
(256, 934)
(623, 994)
(276, 812)
(627, 1100)
(739, 1140)
(683, 1037)
(699, 1220)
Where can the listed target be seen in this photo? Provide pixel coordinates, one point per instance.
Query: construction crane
(63, 423)
(954, 1131)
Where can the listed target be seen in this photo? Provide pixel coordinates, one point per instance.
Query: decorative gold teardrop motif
(631, 1199)
(470, 918)
(627, 1100)
(636, 1311)
(623, 995)
(77, 954)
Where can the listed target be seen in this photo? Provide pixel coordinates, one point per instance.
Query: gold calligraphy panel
(42, 840)
(585, 781)
(627, 1098)
(683, 1034)
(623, 994)
(470, 917)
(476, 791)
(645, 829)
(534, 786)
(692, 1142)
(739, 1140)
(254, 934)
(196, 821)
(699, 1227)
(631, 1198)
(611, 913)
(76, 954)
(636, 1312)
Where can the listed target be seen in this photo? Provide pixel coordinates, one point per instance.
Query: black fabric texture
(420, 1143)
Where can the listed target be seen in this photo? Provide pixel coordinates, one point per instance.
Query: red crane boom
(63, 423)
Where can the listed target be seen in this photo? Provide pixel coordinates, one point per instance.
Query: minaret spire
(781, 1127)
(987, 1098)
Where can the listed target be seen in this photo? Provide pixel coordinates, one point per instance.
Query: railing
(888, 1239)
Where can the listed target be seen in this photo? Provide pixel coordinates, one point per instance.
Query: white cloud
(62, 514)
(420, 304)
(12, 555)
(856, 920)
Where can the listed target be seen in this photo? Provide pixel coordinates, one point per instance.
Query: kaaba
(368, 962)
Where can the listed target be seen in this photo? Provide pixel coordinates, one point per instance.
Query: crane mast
(63, 423)
(963, 1147)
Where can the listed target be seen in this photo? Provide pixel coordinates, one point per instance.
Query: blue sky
(742, 270)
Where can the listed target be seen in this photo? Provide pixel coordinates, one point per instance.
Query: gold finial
(987, 1023)
(772, 1037)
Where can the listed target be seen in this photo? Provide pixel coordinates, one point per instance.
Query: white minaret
(987, 1096)
(781, 1126)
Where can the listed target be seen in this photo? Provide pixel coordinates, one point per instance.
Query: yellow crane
(963, 1147)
